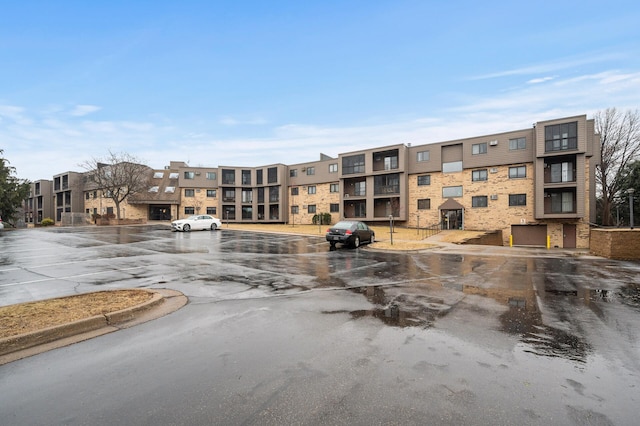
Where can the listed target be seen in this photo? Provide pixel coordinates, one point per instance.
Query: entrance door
(569, 236)
(451, 219)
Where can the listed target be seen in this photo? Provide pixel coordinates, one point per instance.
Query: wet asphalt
(281, 330)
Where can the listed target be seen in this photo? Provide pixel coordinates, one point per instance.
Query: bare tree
(119, 176)
(620, 146)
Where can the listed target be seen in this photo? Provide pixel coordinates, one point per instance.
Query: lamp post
(630, 191)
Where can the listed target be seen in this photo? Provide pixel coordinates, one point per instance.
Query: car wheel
(373, 238)
(186, 228)
(356, 242)
(214, 226)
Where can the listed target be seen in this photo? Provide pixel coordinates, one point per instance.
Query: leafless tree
(620, 146)
(119, 176)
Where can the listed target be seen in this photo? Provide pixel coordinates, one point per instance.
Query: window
(174, 175)
(479, 148)
(211, 176)
(561, 137)
(453, 166)
(479, 201)
(334, 187)
(353, 164)
(424, 204)
(562, 202)
(360, 189)
(479, 175)
(386, 184)
(518, 143)
(451, 191)
(424, 180)
(247, 212)
(294, 190)
(272, 175)
(293, 172)
(423, 156)
(274, 194)
(158, 175)
(260, 195)
(189, 193)
(517, 172)
(95, 194)
(259, 177)
(333, 168)
(189, 210)
(311, 189)
(517, 200)
(311, 171)
(189, 175)
(170, 189)
(154, 189)
(86, 195)
(334, 208)
(562, 172)
(211, 210)
(211, 193)
(311, 208)
(229, 195)
(246, 177)
(228, 177)
(295, 210)
(247, 196)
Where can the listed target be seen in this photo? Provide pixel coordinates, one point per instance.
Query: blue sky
(252, 83)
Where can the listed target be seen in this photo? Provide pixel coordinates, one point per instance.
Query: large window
(452, 167)
(211, 193)
(353, 164)
(334, 187)
(561, 137)
(259, 177)
(479, 175)
(293, 172)
(424, 180)
(247, 196)
(422, 156)
(451, 191)
(333, 168)
(517, 200)
(562, 172)
(246, 177)
(311, 171)
(517, 143)
(311, 208)
(562, 202)
(189, 210)
(211, 175)
(360, 189)
(189, 193)
(424, 204)
(479, 148)
(386, 184)
(517, 172)
(228, 177)
(274, 194)
(294, 190)
(334, 208)
(211, 210)
(272, 175)
(311, 189)
(229, 195)
(189, 175)
(247, 212)
(479, 201)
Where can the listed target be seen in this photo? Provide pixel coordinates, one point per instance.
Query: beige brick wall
(621, 244)
(321, 199)
(199, 202)
(497, 216)
(127, 211)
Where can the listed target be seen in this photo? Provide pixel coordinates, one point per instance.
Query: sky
(253, 83)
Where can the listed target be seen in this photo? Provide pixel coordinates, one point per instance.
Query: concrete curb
(23, 345)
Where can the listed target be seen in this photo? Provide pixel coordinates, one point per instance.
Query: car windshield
(192, 218)
(343, 225)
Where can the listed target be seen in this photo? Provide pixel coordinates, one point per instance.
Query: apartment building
(39, 203)
(314, 189)
(68, 188)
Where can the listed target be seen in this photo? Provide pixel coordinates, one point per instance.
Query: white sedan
(196, 222)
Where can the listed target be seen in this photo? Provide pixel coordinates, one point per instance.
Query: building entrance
(451, 219)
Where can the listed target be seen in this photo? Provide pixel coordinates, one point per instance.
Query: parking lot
(279, 329)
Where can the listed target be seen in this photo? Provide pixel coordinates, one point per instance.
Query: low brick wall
(493, 238)
(106, 222)
(623, 244)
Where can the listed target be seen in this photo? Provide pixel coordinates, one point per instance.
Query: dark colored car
(350, 232)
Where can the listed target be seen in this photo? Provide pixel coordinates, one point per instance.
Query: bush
(321, 219)
(47, 221)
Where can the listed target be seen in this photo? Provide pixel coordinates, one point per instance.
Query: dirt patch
(33, 316)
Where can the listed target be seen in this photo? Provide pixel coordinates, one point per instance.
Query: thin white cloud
(540, 80)
(82, 110)
(231, 121)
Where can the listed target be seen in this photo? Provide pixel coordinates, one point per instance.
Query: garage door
(529, 235)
